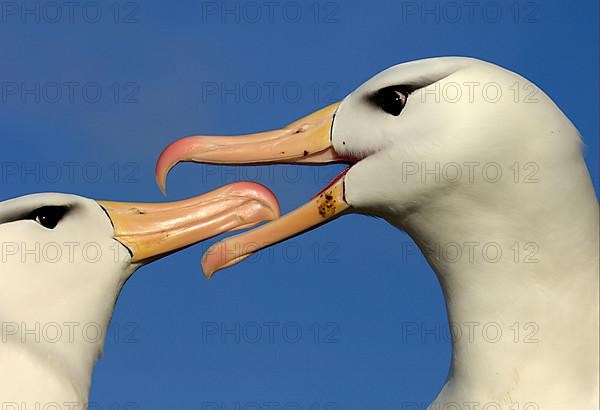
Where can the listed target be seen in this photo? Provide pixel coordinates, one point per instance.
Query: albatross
(65, 259)
(456, 150)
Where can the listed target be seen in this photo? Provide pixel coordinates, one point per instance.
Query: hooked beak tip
(208, 274)
(168, 158)
(210, 267)
(161, 181)
(160, 174)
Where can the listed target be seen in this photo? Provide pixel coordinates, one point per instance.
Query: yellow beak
(151, 230)
(306, 141)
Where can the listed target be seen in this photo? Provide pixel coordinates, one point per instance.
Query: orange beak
(306, 141)
(151, 230)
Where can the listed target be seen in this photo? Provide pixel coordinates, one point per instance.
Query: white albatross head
(456, 151)
(64, 261)
(422, 138)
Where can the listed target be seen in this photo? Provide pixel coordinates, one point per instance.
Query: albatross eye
(48, 216)
(391, 99)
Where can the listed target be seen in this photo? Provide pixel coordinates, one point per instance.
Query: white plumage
(477, 157)
(554, 214)
(38, 291)
(64, 261)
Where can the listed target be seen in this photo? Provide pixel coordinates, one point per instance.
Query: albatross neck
(48, 357)
(522, 297)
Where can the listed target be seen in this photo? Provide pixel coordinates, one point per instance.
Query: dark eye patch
(48, 216)
(392, 99)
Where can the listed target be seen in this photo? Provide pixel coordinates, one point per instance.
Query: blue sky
(169, 69)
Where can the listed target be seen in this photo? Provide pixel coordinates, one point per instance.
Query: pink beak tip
(208, 274)
(261, 193)
(167, 159)
(208, 268)
(162, 186)
(160, 177)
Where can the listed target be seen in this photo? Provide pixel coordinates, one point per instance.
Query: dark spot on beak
(305, 152)
(327, 207)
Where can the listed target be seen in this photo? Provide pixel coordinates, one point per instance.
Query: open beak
(151, 230)
(306, 141)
